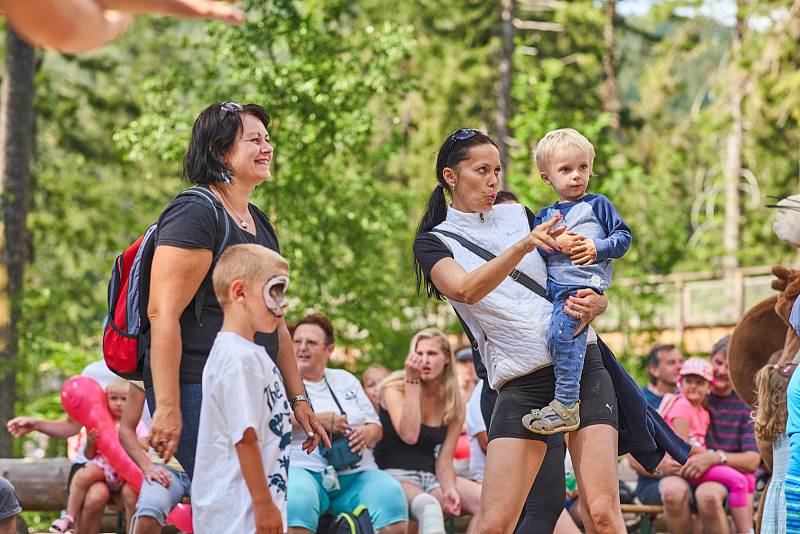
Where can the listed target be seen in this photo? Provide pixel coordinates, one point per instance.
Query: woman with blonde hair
(421, 412)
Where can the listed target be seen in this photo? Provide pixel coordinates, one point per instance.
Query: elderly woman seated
(322, 483)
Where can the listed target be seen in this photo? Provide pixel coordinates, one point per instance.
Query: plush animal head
(787, 283)
(787, 220)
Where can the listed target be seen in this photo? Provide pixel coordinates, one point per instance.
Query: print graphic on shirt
(273, 393)
(278, 481)
(350, 394)
(277, 427)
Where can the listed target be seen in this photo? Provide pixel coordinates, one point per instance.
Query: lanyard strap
(516, 275)
(325, 378)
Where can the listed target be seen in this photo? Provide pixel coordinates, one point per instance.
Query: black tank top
(391, 452)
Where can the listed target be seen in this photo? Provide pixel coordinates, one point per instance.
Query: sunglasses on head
(229, 107)
(462, 134)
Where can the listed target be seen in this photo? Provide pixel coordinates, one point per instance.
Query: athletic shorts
(519, 396)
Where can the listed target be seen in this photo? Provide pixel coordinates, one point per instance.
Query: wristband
(300, 398)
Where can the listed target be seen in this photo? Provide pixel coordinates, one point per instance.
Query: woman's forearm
(411, 415)
(165, 361)
(445, 472)
(483, 280)
(287, 363)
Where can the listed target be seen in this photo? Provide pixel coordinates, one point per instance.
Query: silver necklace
(242, 222)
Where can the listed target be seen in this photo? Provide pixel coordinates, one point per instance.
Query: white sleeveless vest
(510, 323)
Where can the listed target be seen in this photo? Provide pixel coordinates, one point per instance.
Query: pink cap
(698, 366)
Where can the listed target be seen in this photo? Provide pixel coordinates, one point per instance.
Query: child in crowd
(242, 460)
(597, 234)
(373, 376)
(164, 485)
(690, 420)
(97, 469)
(770, 426)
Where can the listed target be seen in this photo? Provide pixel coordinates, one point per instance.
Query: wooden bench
(646, 513)
(42, 486)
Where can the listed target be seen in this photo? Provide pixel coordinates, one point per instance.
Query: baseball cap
(698, 366)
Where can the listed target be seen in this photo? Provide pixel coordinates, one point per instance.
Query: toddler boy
(597, 234)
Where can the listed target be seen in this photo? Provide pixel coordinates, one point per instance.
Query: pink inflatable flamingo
(85, 402)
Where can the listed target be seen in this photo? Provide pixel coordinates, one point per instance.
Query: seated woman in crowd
(315, 486)
(421, 412)
(372, 376)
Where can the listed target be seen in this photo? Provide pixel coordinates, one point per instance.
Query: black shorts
(74, 468)
(519, 396)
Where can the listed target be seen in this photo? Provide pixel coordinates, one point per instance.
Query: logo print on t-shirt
(277, 481)
(273, 394)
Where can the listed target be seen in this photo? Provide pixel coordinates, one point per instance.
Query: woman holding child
(508, 323)
(228, 156)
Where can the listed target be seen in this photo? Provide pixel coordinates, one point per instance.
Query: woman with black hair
(508, 323)
(228, 156)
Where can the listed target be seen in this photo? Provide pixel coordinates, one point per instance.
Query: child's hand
(19, 426)
(584, 253)
(569, 240)
(268, 518)
(158, 475)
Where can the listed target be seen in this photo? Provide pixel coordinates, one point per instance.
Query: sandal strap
(560, 410)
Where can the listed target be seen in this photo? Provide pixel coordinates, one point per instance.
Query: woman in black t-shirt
(229, 154)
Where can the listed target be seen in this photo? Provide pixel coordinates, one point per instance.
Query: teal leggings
(378, 491)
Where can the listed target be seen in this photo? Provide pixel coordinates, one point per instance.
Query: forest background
(693, 108)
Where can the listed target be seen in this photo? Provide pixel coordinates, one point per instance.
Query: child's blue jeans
(566, 351)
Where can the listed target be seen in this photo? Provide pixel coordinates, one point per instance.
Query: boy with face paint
(242, 461)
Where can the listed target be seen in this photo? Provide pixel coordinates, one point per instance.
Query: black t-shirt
(190, 222)
(428, 251)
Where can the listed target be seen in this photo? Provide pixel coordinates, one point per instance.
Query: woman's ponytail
(434, 215)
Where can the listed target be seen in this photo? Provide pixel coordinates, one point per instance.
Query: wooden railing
(694, 309)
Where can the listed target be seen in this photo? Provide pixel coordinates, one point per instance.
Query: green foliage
(361, 95)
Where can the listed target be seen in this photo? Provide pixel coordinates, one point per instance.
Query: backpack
(126, 334)
(356, 522)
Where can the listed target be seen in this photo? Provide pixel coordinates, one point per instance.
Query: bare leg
(594, 454)
(81, 482)
(675, 494)
(9, 525)
(710, 506)
(149, 525)
(394, 528)
(470, 493)
(129, 497)
(511, 466)
(566, 525)
(97, 498)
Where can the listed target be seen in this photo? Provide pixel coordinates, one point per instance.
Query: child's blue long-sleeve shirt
(593, 216)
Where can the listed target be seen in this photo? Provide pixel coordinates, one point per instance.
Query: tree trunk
(733, 163)
(16, 153)
(504, 85)
(610, 101)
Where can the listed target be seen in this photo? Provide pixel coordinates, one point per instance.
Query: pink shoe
(63, 524)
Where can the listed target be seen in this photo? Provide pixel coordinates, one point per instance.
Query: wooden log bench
(646, 515)
(42, 486)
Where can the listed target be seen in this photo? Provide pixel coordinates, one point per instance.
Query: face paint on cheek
(275, 294)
